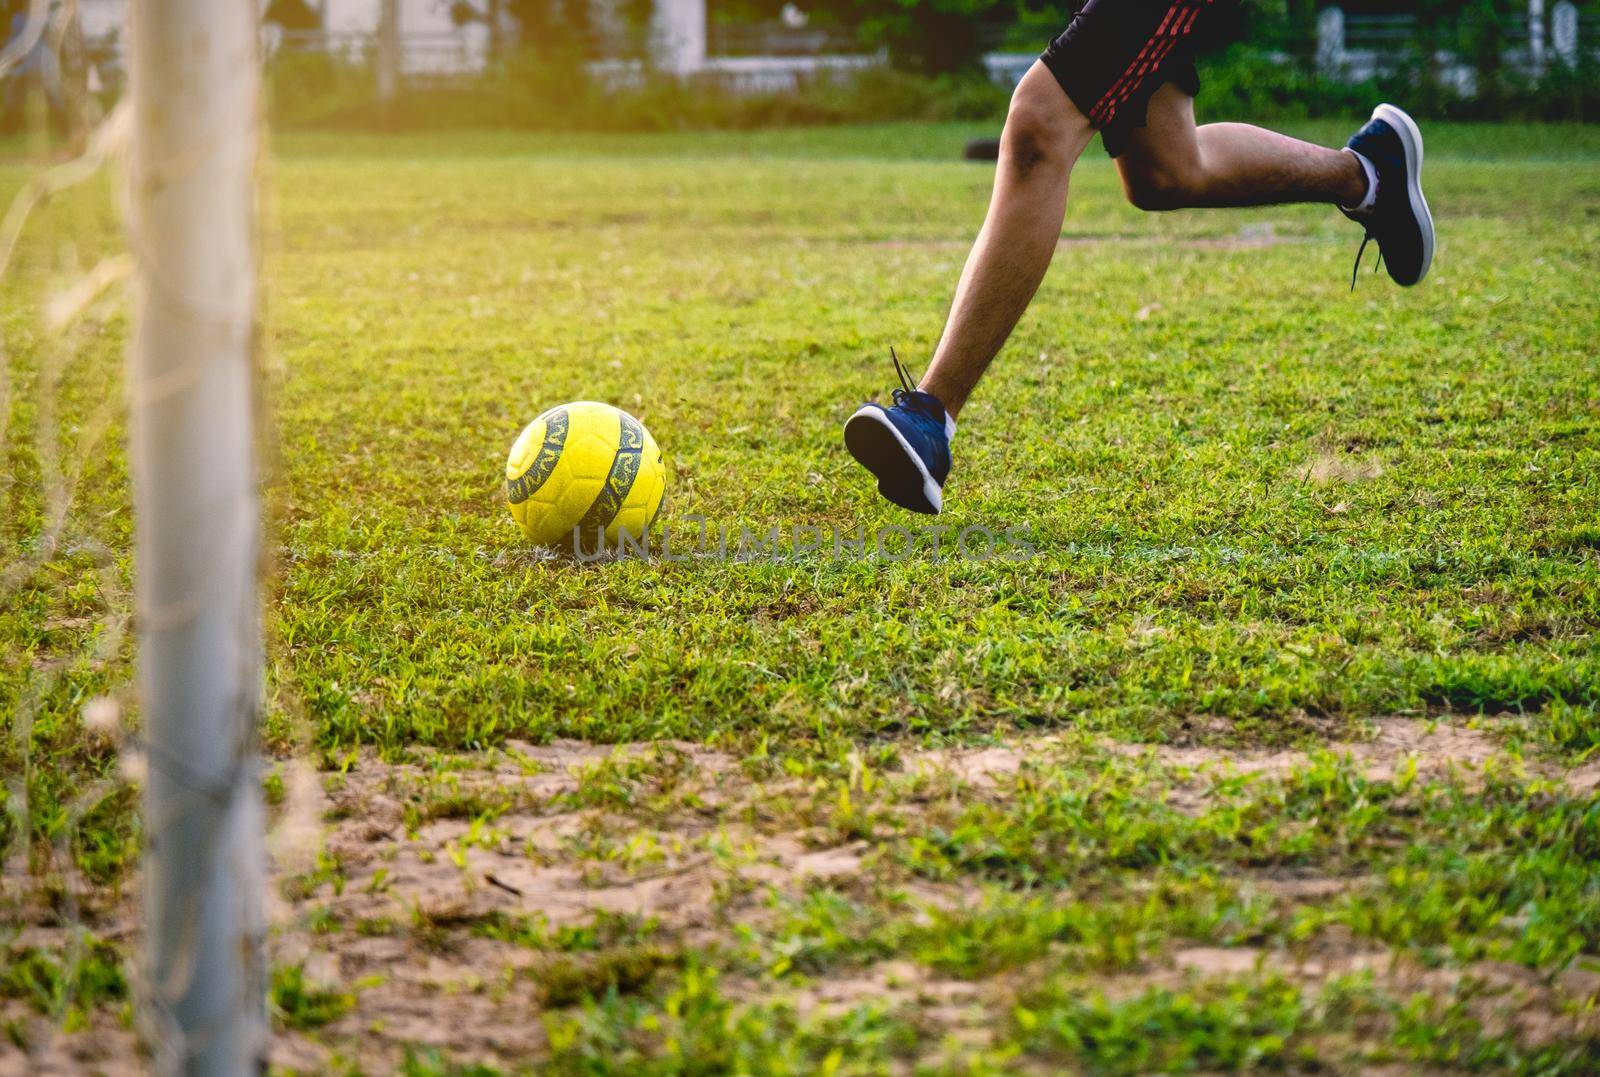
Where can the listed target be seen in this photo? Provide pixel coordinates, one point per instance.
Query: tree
(293, 15)
(1475, 31)
(931, 36)
(1287, 26)
(544, 28)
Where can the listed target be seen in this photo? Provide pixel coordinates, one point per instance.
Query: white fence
(1358, 48)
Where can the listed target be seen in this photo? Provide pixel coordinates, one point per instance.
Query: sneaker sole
(1411, 141)
(902, 478)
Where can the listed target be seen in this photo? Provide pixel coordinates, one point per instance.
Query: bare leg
(1043, 138)
(1172, 164)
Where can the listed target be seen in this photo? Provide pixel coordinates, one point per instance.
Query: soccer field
(1271, 743)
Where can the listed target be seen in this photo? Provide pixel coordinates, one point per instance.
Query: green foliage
(1112, 931)
(301, 1005)
(1249, 82)
(292, 15)
(1064, 824)
(603, 931)
(934, 37)
(88, 974)
(621, 971)
(1286, 26)
(1454, 1033)
(695, 1027)
(1220, 1027)
(819, 931)
(1269, 72)
(1271, 1023)
(1572, 729)
(431, 1063)
(1508, 873)
(528, 91)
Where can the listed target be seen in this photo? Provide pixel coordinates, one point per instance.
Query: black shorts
(1116, 53)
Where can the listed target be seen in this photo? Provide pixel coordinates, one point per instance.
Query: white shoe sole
(868, 445)
(1411, 140)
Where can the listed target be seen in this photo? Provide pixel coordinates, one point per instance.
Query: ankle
(1363, 188)
(950, 405)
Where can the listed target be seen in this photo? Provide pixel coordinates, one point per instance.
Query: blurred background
(647, 64)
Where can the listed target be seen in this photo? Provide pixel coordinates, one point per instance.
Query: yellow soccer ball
(586, 470)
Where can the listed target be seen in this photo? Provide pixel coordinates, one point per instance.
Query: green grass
(928, 142)
(1187, 563)
(297, 1003)
(88, 973)
(1264, 512)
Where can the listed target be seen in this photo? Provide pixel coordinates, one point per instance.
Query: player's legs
(1170, 163)
(1376, 180)
(907, 446)
(1126, 68)
(1108, 56)
(1044, 136)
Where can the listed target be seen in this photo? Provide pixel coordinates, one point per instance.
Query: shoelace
(1368, 238)
(1361, 250)
(902, 395)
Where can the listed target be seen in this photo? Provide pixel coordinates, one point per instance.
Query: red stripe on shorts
(1106, 99)
(1144, 69)
(1177, 22)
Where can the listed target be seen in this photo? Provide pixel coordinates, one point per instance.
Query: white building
(433, 43)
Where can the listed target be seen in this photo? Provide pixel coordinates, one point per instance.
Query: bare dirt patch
(106, 1047)
(686, 868)
(982, 765)
(1329, 468)
(475, 885)
(1504, 998)
(1585, 780)
(451, 879)
(1436, 748)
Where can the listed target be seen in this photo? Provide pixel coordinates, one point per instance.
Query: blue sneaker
(1399, 218)
(907, 446)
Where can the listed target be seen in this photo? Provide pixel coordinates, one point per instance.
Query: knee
(1039, 130)
(1157, 187)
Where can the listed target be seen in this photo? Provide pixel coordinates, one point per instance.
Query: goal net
(128, 259)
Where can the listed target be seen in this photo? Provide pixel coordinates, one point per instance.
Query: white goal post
(195, 80)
